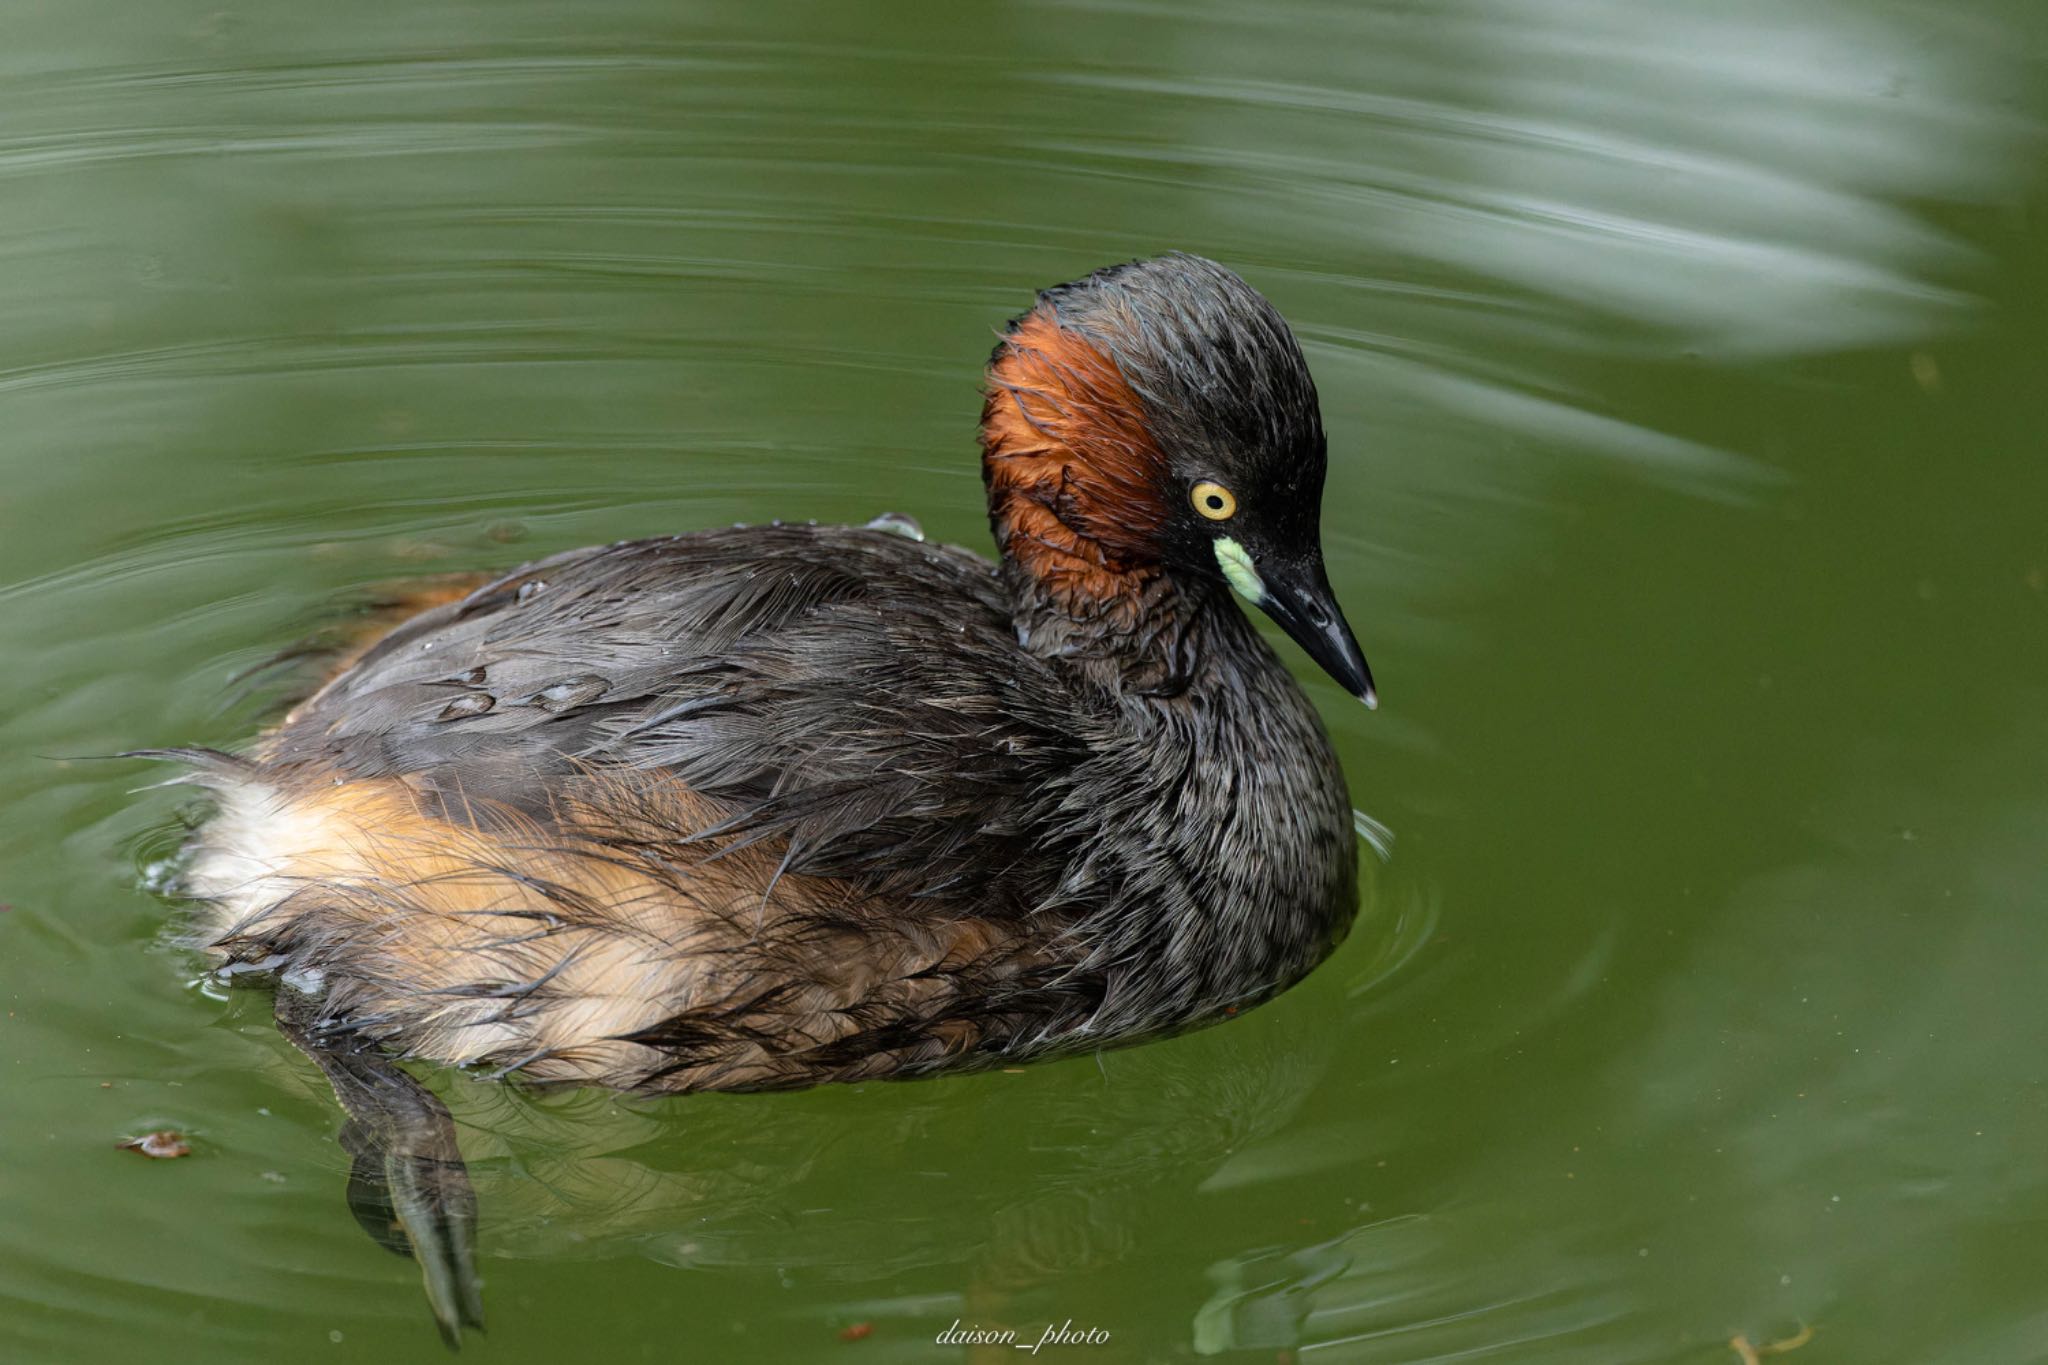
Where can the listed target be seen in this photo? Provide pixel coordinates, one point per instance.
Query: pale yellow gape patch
(1236, 563)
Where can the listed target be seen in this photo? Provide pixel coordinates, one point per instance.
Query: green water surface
(1685, 368)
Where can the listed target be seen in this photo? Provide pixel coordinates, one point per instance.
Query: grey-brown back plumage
(854, 695)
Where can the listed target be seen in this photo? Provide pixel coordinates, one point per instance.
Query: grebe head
(1158, 417)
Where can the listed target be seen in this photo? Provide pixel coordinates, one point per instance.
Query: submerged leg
(407, 1187)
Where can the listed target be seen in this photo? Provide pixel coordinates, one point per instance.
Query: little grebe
(774, 806)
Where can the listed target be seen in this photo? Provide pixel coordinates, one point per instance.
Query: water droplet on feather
(468, 704)
(897, 524)
(570, 692)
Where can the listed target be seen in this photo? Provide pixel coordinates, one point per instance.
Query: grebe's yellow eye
(1214, 501)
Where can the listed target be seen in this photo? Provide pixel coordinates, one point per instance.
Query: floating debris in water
(859, 1331)
(1753, 1355)
(163, 1145)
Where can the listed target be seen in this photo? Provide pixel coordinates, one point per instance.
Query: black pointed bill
(1297, 595)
